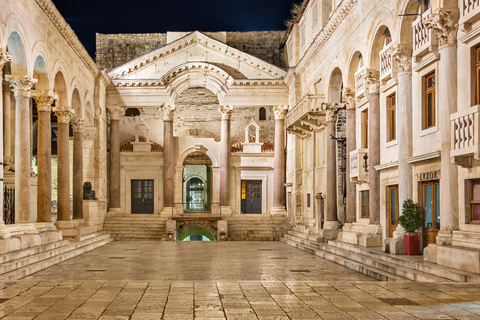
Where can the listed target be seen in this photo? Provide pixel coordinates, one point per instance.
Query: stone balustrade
(465, 133)
(469, 11)
(309, 103)
(359, 166)
(386, 63)
(423, 41)
(360, 83)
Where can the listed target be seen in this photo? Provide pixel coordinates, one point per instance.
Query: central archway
(197, 183)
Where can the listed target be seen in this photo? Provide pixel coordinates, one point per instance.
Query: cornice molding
(145, 83)
(66, 31)
(189, 40)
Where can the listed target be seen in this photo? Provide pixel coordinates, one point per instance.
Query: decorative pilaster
(4, 58)
(226, 112)
(168, 157)
(331, 218)
(348, 95)
(44, 100)
(22, 86)
(63, 148)
(114, 188)
(445, 24)
(77, 125)
(279, 162)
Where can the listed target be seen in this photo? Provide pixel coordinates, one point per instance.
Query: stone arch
(195, 150)
(379, 42)
(77, 104)
(16, 48)
(356, 62)
(335, 86)
(40, 72)
(405, 30)
(60, 87)
(196, 230)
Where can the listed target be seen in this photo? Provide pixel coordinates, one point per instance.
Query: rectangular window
(365, 203)
(392, 117)
(309, 154)
(308, 200)
(429, 112)
(393, 208)
(314, 15)
(365, 128)
(475, 202)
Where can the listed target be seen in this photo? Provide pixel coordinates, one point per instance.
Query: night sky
(87, 17)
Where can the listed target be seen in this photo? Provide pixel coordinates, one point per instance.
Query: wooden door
(142, 196)
(251, 196)
(392, 209)
(431, 211)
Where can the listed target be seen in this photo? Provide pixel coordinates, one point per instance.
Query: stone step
(351, 264)
(121, 238)
(34, 263)
(11, 256)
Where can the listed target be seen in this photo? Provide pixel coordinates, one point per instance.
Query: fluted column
(226, 112)
(4, 57)
(44, 100)
(373, 145)
(403, 57)
(22, 86)
(77, 168)
(331, 217)
(114, 186)
(168, 156)
(351, 207)
(444, 24)
(279, 162)
(63, 182)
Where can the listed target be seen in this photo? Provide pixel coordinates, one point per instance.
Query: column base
(115, 210)
(28, 228)
(45, 226)
(226, 211)
(4, 232)
(278, 211)
(328, 234)
(167, 212)
(393, 245)
(332, 225)
(67, 224)
(444, 237)
(371, 237)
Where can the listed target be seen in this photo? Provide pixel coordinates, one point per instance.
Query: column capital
(348, 95)
(77, 125)
(280, 112)
(445, 25)
(21, 85)
(372, 77)
(226, 112)
(402, 54)
(44, 99)
(4, 58)
(168, 112)
(116, 112)
(331, 110)
(63, 114)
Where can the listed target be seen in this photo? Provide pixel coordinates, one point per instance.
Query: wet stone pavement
(223, 280)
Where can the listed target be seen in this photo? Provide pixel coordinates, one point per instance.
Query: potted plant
(411, 220)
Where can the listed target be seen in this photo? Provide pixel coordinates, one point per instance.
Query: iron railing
(196, 209)
(9, 205)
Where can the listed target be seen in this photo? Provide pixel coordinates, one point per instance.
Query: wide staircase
(256, 227)
(135, 226)
(27, 254)
(376, 263)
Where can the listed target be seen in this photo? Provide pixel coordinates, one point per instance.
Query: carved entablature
(445, 25)
(116, 112)
(402, 54)
(371, 77)
(280, 112)
(226, 112)
(258, 83)
(348, 95)
(44, 99)
(78, 125)
(168, 112)
(21, 85)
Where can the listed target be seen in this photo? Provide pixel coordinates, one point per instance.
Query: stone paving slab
(154, 281)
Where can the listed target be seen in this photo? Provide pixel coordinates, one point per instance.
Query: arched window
(131, 112)
(262, 114)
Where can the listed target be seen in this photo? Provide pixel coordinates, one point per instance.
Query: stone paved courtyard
(223, 280)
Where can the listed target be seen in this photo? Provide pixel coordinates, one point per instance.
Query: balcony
(304, 115)
(465, 136)
(359, 166)
(387, 68)
(424, 40)
(469, 12)
(360, 83)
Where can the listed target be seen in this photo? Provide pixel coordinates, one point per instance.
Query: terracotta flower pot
(412, 243)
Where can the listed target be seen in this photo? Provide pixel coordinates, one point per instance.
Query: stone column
(351, 207)
(44, 101)
(444, 24)
(168, 157)
(22, 86)
(331, 217)
(4, 57)
(77, 168)
(7, 125)
(226, 112)
(403, 57)
(279, 162)
(63, 182)
(114, 187)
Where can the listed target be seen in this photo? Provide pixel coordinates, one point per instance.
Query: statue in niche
(88, 192)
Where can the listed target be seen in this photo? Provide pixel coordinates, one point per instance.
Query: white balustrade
(360, 83)
(465, 133)
(386, 63)
(309, 103)
(359, 166)
(423, 39)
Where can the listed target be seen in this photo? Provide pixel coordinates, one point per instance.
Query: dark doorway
(252, 196)
(142, 196)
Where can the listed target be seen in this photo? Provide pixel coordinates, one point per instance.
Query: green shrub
(410, 219)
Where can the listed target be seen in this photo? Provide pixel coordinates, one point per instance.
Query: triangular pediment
(197, 49)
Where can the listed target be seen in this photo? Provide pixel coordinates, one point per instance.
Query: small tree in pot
(411, 220)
